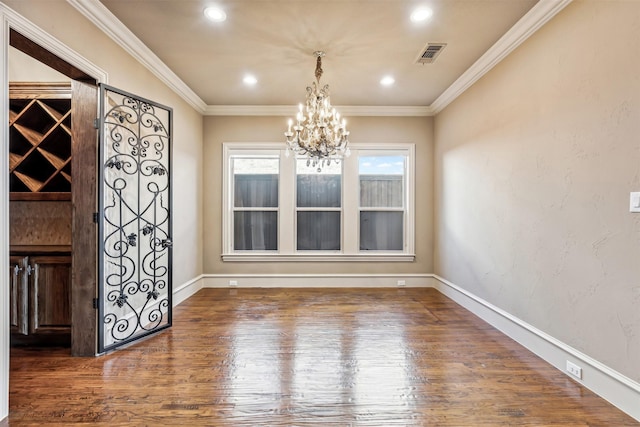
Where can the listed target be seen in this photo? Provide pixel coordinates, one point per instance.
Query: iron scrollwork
(136, 197)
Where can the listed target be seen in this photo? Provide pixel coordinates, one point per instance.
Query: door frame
(67, 59)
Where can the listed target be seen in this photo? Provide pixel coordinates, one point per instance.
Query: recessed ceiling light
(249, 80)
(215, 14)
(421, 14)
(387, 81)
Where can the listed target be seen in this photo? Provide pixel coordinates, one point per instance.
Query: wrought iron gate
(135, 289)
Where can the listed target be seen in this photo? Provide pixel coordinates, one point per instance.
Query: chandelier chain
(318, 69)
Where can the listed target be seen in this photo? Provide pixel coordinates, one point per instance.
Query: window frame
(234, 209)
(287, 217)
(297, 209)
(379, 152)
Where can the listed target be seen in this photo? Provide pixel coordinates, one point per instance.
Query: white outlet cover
(634, 201)
(574, 370)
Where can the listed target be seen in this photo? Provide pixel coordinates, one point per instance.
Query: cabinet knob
(16, 270)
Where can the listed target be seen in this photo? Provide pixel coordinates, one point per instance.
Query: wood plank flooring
(307, 357)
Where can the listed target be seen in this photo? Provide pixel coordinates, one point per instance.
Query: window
(255, 202)
(318, 207)
(281, 209)
(382, 202)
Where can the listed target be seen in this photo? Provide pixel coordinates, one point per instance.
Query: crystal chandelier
(318, 134)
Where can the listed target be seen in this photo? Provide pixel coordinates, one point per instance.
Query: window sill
(267, 257)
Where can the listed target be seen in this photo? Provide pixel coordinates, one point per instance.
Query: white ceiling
(275, 39)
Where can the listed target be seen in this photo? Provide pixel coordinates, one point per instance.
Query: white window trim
(350, 207)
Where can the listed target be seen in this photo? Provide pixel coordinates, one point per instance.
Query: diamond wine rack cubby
(40, 140)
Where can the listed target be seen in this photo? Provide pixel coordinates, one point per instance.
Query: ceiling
(274, 40)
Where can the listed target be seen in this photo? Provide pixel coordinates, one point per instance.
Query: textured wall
(534, 165)
(40, 223)
(417, 130)
(63, 22)
(24, 68)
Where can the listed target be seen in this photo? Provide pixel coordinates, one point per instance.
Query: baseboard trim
(186, 290)
(617, 389)
(315, 280)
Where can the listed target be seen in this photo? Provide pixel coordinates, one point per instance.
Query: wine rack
(40, 141)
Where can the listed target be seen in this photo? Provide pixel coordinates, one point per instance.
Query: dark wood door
(18, 295)
(50, 294)
(84, 105)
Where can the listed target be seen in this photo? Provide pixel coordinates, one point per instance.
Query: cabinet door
(18, 295)
(50, 299)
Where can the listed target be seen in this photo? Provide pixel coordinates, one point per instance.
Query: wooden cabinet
(41, 296)
(40, 154)
(40, 141)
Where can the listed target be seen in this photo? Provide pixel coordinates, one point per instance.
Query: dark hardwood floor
(307, 357)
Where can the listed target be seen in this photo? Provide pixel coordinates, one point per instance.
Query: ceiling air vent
(430, 53)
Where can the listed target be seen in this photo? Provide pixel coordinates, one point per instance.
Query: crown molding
(290, 110)
(102, 18)
(539, 15)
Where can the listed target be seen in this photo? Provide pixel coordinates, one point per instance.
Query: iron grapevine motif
(136, 218)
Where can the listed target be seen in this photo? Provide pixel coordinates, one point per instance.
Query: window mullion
(386, 209)
(286, 219)
(227, 197)
(350, 203)
(254, 209)
(313, 209)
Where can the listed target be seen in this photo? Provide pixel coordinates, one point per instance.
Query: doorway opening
(74, 170)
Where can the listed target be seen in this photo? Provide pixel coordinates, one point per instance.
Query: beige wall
(217, 130)
(63, 22)
(534, 165)
(533, 169)
(23, 68)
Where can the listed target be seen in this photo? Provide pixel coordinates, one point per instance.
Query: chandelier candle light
(318, 134)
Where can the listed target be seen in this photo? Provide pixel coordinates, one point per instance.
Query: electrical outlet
(401, 283)
(634, 202)
(574, 370)
(233, 283)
